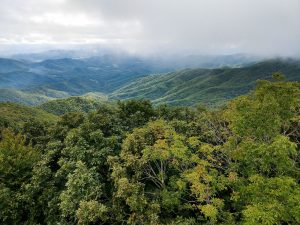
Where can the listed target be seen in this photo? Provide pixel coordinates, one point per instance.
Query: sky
(261, 27)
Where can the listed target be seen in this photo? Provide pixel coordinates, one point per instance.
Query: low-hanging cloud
(195, 26)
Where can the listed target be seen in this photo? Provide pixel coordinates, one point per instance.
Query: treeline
(137, 164)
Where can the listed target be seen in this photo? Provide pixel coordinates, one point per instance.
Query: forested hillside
(208, 86)
(13, 113)
(30, 97)
(73, 104)
(133, 163)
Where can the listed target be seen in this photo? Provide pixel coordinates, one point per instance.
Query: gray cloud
(145, 26)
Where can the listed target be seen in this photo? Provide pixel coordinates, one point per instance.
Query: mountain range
(208, 86)
(187, 80)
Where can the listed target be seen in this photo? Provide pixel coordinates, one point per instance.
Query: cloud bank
(265, 27)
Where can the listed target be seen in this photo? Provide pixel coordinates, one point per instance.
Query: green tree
(83, 189)
(267, 112)
(16, 163)
(135, 113)
(160, 174)
(264, 160)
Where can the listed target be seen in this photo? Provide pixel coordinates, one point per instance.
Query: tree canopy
(133, 163)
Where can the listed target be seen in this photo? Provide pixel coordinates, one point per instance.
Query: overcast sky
(146, 26)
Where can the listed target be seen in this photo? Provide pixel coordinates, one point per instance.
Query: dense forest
(134, 163)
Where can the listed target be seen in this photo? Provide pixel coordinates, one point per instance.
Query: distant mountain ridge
(209, 86)
(75, 76)
(125, 77)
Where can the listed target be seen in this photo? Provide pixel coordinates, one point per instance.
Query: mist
(258, 27)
